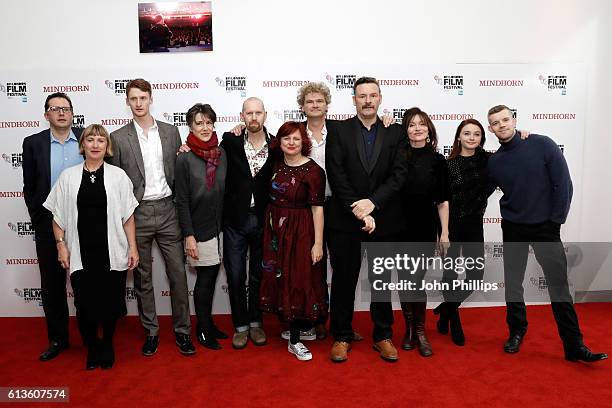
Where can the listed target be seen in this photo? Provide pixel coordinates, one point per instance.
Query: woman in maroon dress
(293, 237)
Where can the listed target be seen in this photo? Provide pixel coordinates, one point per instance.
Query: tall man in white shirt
(146, 150)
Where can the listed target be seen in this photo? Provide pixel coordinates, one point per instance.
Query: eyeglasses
(63, 109)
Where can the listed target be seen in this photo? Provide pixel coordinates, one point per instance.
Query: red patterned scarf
(209, 152)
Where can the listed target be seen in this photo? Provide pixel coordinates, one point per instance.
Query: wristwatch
(57, 241)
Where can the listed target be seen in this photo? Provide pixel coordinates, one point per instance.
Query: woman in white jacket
(92, 206)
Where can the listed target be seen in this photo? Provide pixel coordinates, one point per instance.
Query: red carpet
(479, 374)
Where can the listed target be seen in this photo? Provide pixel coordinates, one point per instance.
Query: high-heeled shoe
(443, 322)
(456, 331)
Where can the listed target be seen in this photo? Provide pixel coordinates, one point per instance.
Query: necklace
(92, 174)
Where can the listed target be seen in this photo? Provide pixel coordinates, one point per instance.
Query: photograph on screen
(175, 26)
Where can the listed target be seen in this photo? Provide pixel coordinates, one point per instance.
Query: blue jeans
(244, 300)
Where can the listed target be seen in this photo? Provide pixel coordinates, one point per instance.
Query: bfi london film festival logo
(117, 85)
(396, 113)
(176, 118)
(450, 83)
(130, 294)
(15, 90)
(78, 121)
(29, 295)
(295, 115)
(22, 229)
(14, 159)
(494, 250)
(233, 84)
(341, 81)
(554, 83)
(539, 282)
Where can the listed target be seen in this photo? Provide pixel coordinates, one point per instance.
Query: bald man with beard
(249, 168)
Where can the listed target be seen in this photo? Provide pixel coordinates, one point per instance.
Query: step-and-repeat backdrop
(547, 99)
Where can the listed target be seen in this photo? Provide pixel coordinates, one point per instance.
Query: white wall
(69, 34)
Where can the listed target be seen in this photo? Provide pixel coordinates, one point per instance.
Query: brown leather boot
(409, 340)
(418, 309)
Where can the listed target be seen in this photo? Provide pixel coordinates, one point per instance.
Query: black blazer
(36, 165)
(352, 178)
(240, 185)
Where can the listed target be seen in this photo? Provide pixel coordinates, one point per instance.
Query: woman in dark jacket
(425, 202)
(469, 192)
(199, 188)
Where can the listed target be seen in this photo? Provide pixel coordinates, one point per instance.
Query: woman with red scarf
(199, 188)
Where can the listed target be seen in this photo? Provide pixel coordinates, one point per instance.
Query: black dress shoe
(150, 346)
(583, 353)
(208, 341)
(218, 334)
(183, 342)
(53, 351)
(513, 344)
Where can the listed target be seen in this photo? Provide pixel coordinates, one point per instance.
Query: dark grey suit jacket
(37, 177)
(128, 156)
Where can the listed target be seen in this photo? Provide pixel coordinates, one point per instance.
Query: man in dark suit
(249, 168)
(366, 169)
(45, 155)
(146, 150)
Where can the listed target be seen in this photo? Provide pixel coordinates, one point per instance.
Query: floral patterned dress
(291, 285)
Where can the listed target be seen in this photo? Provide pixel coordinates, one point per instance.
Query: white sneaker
(300, 351)
(304, 335)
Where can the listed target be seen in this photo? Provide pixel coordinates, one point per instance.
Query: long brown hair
(456, 150)
(431, 129)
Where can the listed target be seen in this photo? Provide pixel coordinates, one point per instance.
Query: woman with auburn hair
(291, 284)
(425, 202)
(93, 223)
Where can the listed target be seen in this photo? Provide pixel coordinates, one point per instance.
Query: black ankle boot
(443, 321)
(218, 333)
(208, 339)
(456, 331)
(107, 357)
(409, 340)
(93, 354)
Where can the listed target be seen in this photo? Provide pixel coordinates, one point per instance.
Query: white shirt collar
(140, 131)
(323, 132)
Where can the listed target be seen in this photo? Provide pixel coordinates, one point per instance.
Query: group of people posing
(319, 188)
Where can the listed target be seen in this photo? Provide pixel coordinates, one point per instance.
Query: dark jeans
(345, 255)
(545, 240)
(53, 287)
(236, 241)
(295, 327)
(203, 295)
(467, 240)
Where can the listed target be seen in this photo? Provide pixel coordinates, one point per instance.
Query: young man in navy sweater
(537, 187)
